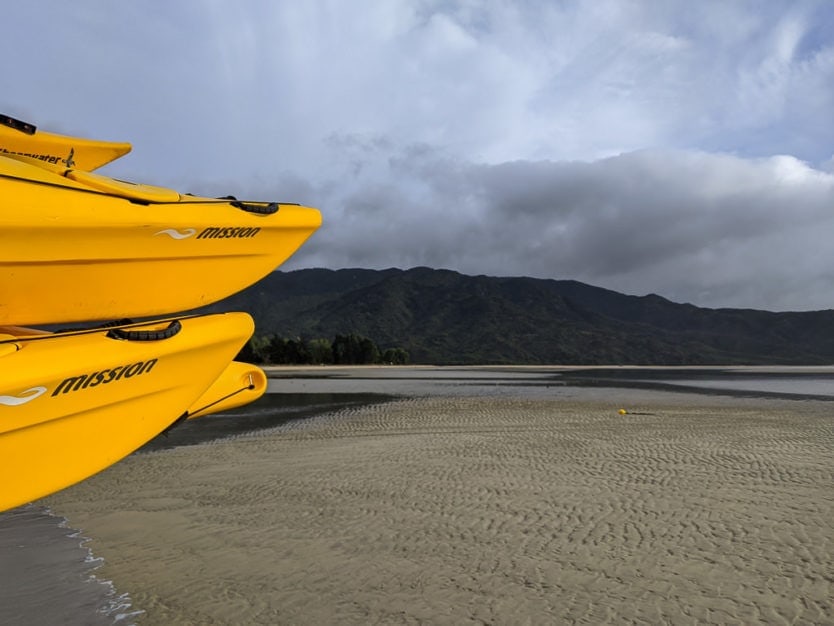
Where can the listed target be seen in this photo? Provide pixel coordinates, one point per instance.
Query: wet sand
(456, 509)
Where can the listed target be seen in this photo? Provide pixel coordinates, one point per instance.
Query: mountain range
(443, 317)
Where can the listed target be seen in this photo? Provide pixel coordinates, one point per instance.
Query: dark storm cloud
(712, 229)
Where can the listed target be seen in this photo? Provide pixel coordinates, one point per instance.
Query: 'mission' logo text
(238, 232)
(94, 379)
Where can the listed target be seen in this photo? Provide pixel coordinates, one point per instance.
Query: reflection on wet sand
(269, 411)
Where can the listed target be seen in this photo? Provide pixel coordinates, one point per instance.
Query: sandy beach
(485, 510)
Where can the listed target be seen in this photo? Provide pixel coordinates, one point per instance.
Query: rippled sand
(473, 510)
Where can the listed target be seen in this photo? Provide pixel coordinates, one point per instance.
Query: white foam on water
(117, 606)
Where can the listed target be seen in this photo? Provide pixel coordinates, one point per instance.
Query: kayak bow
(80, 246)
(73, 403)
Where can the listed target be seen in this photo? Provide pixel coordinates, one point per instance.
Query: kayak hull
(72, 404)
(74, 252)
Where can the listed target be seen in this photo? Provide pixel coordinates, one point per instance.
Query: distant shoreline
(761, 381)
(800, 369)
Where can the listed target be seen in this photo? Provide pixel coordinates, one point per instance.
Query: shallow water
(47, 575)
(787, 383)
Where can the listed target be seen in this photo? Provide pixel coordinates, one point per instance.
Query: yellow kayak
(80, 246)
(19, 138)
(238, 385)
(73, 403)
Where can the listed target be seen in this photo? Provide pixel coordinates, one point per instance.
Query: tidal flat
(483, 495)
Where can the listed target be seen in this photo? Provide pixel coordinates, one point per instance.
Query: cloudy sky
(680, 148)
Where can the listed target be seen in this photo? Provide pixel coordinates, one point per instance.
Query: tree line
(350, 349)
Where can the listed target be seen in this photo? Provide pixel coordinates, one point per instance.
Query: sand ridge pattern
(481, 511)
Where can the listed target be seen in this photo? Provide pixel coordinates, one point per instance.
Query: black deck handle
(262, 208)
(146, 335)
(259, 209)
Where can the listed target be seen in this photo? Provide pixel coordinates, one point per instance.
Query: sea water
(47, 574)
